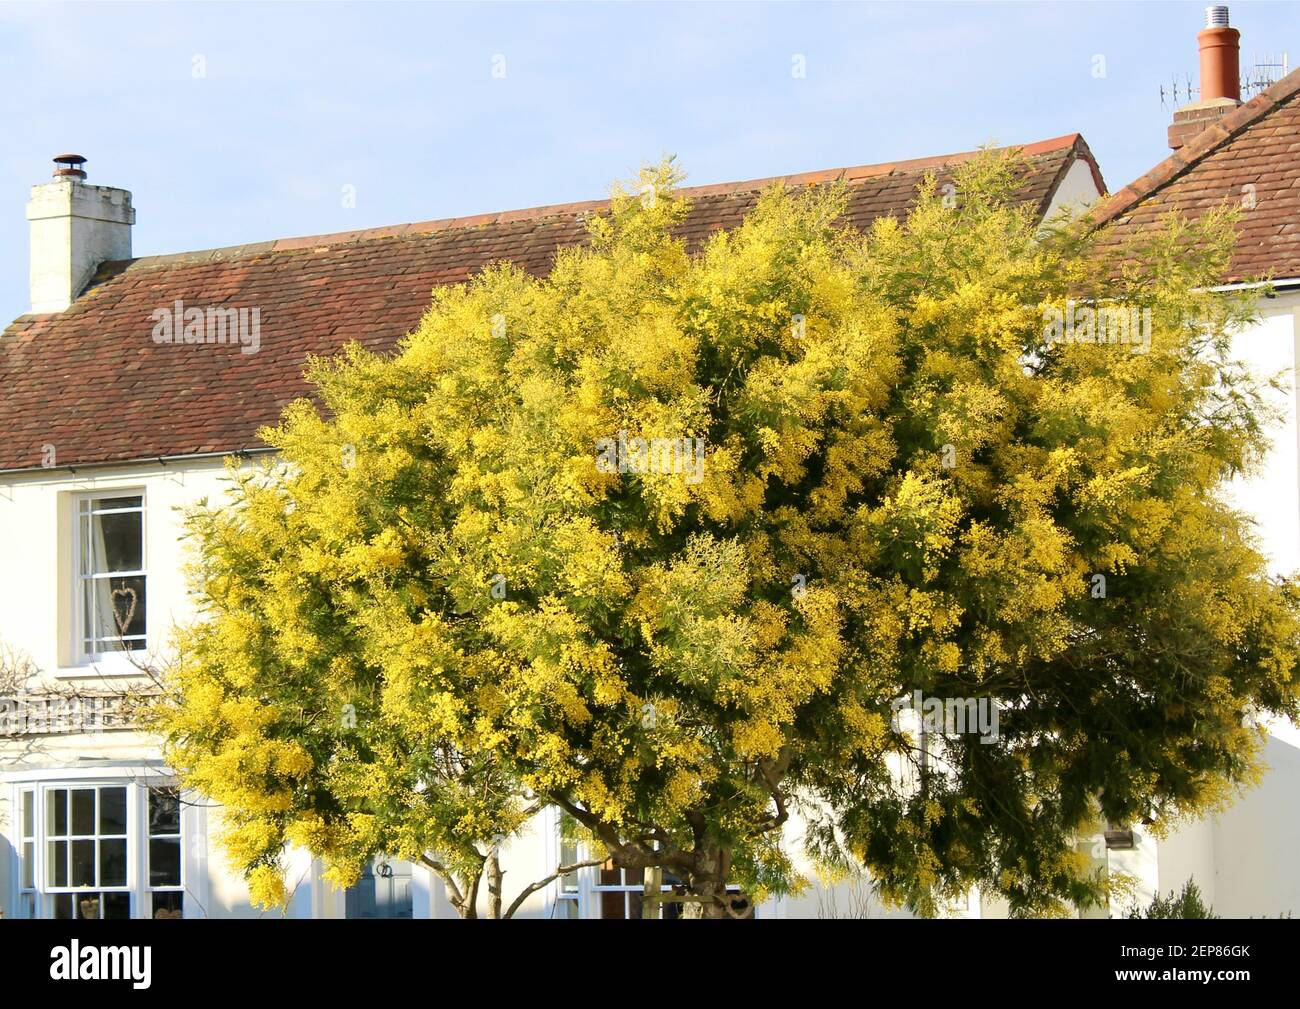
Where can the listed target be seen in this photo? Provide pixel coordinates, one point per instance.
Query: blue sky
(400, 100)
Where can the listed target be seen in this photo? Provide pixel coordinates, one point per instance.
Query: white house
(1248, 155)
(113, 419)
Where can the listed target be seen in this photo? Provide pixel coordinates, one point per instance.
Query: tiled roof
(92, 383)
(1256, 145)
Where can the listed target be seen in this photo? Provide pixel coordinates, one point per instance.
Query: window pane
(56, 811)
(116, 905)
(29, 816)
(168, 904)
(93, 906)
(90, 605)
(112, 810)
(108, 504)
(61, 905)
(29, 866)
(56, 868)
(112, 863)
(83, 811)
(86, 564)
(113, 542)
(611, 905)
(27, 906)
(569, 855)
(164, 811)
(83, 863)
(164, 862)
(115, 610)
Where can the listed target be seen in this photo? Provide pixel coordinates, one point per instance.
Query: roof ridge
(1210, 139)
(852, 173)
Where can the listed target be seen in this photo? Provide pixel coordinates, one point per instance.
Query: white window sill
(110, 666)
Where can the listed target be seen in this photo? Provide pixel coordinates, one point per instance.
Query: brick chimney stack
(1220, 78)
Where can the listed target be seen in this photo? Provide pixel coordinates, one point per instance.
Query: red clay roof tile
(91, 382)
(1254, 145)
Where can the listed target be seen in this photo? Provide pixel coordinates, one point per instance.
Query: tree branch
(454, 895)
(532, 888)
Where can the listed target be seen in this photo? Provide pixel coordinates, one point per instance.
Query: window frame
(147, 839)
(38, 901)
(80, 655)
(28, 896)
(587, 898)
(50, 892)
(632, 894)
(565, 895)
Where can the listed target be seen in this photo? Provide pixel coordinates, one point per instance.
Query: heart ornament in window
(123, 622)
(738, 905)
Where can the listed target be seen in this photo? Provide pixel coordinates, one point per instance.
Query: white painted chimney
(74, 228)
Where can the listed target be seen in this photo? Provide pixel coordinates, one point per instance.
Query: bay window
(104, 849)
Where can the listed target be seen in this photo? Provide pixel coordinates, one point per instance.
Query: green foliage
(1186, 904)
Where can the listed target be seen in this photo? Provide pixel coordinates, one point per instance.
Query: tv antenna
(1265, 73)
(1177, 92)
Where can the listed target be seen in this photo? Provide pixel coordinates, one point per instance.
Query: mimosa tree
(661, 537)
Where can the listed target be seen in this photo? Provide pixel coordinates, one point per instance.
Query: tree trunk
(709, 881)
(494, 877)
(714, 893)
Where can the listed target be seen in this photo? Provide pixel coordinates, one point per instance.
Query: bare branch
(532, 888)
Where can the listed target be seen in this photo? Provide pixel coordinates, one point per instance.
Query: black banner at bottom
(271, 957)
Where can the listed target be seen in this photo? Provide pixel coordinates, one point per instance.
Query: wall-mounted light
(1119, 840)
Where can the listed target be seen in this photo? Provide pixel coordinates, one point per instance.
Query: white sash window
(111, 578)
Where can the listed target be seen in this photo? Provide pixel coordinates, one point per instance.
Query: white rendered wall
(36, 578)
(1077, 191)
(1244, 859)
